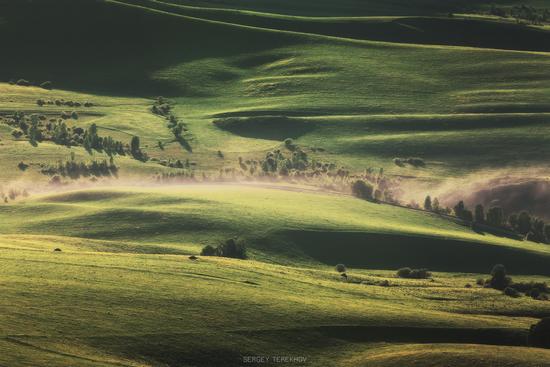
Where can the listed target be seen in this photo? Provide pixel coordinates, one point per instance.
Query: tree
(499, 280)
(459, 209)
(135, 149)
(362, 190)
(513, 221)
(428, 203)
(341, 268)
(436, 206)
(524, 223)
(208, 251)
(495, 216)
(479, 214)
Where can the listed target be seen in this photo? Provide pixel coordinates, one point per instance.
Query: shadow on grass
(392, 251)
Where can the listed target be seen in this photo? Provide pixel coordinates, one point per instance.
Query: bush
(539, 334)
(229, 248)
(413, 273)
(362, 190)
(404, 272)
(22, 166)
(208, 251)
(74, 115)
(511, 292)
(480, 281)
(46, 85)
(23, 82)
(341, 268)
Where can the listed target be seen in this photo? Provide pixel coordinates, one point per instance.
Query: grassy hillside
(123, 292)
(455, 30)
(357, 8)
(354, 83)
(279, 226)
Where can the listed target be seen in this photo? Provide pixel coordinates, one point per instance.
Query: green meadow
(108, 271)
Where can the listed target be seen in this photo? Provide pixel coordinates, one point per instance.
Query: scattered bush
(511, 292)
(22, 166)
(340, 268)
(362, 190)
(46, 85)
(193, 258)
(413, 273)
(229, 248)
(208, 251)
(23, 83)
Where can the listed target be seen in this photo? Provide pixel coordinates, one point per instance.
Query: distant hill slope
(458, 31)
(358, 7)
(278, 226)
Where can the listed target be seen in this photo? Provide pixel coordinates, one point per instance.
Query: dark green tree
(479, 214)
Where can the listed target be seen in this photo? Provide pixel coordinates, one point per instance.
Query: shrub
(404, 272)
(420, 274)
(413, 273)
(511, 292)
(480, 281)
(468, 285)
(46, 85)
(539, 334)
(208, 251)
(74, 115)
(499, 280)
(289, 144)
(40, 102)
(399, 162)
(341, 268)
(22, 166)
(362, 190)
(23, 82)
(229, 248)
(416, 162)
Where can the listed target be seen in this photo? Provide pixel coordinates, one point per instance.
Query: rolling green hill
(285, 225)
(355, 84)
(341, 94)
(122, 290)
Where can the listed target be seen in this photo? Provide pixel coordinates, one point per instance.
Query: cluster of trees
(62, 102)
(75, 170)
(90, 140)
(522, 13)
(524, 224)
(229, 248)
(178, 163)
(162, 107)
(501, 281)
